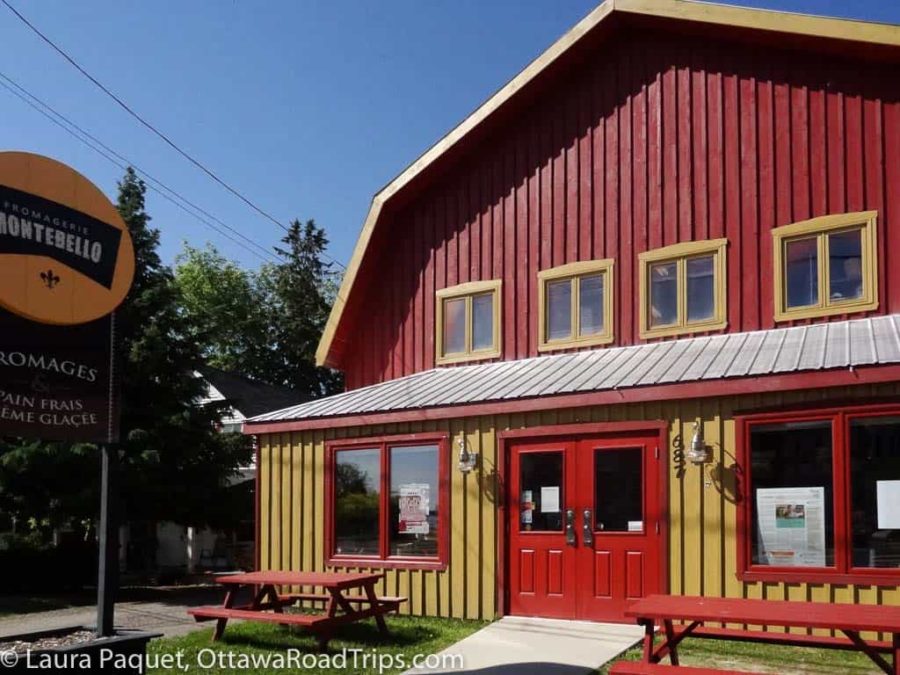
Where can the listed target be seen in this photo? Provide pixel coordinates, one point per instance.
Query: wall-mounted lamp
(698, 453)
(467, 460)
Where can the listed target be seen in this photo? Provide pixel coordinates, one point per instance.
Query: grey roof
(247, 396)
(840, 344)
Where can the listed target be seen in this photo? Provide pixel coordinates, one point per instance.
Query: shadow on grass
(360, 633)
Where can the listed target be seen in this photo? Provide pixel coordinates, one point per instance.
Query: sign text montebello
(66, 263)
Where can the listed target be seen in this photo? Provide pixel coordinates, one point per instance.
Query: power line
(149, 126)
(128, 162)
(98, 147)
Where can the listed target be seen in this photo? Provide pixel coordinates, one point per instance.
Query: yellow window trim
(679, 254)
(572, 272)
(821, 227)
(468, 291)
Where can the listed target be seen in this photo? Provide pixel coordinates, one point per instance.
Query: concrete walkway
(165, 612)
(523, 646)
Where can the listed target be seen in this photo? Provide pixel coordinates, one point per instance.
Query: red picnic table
(694, 612)
(353, 607)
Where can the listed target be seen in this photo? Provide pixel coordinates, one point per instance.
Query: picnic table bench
(362, 604)
(696, 612)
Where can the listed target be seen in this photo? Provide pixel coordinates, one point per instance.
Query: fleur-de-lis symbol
(49, 278)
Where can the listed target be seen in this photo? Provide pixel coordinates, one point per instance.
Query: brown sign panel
(55, 381)
(66, 256)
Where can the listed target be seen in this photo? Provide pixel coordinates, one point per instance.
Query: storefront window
(357, 478)
(792, 496)
(875, 491)
(388, 501)
(415, 501)
(822, 496)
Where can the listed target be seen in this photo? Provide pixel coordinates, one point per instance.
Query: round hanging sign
(65, 253)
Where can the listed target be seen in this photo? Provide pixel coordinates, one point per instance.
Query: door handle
(570, 527)
(587, 528)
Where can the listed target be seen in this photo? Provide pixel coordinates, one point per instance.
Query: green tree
(265, 324)
(174, 461)
(226, 311)
(302, 287)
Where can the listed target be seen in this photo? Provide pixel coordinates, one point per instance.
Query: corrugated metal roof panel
(817, 347)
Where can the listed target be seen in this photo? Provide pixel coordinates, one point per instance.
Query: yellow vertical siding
(702, 504)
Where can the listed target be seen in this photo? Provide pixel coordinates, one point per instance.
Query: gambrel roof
(868, 40)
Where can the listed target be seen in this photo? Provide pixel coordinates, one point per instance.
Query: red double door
(585, 530)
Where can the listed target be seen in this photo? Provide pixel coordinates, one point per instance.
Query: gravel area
(158, 610)
(65, 640)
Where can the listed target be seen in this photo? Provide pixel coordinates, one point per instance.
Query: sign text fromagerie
(66, 256)
(66, 263)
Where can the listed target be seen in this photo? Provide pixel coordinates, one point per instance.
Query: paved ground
(165, 612)
(522, 646)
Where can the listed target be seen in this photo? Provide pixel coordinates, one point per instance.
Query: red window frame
(843, 571)
(384, 560)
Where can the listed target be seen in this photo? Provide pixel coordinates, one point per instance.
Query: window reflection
(700, 288)
(802, 272)
(845, 265)
(559, 309)
(455, 326)
(663, 294)
(357, 490)
(415, 501)
(483, 321)
(590, 305)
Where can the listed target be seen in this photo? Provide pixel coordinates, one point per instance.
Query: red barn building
(632, 327)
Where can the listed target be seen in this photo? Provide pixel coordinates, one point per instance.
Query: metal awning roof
(843, 344)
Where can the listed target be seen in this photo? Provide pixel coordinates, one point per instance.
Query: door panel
(584, 510)
(619, 480)
(542, 573)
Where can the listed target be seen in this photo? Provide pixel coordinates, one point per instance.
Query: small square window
(825, 266)
(575, 305)
(682, 288)
(468, 318)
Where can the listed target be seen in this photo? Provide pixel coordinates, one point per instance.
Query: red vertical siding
(655, 140)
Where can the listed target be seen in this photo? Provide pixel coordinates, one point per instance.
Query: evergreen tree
(175, 461)
(302, 285)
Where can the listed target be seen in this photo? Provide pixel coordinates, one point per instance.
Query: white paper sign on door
(550, 499)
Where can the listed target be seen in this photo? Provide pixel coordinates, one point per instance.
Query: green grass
(409, 636)
(763, 658)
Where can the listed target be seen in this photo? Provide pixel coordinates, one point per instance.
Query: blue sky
(306, 106)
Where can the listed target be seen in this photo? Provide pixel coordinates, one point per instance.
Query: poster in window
(888, 499)
(414, 508)
(791, 526)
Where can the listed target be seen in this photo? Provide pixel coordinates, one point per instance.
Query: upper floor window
(682, 288)
(468, 322)
(575, 305)
(826, 265)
